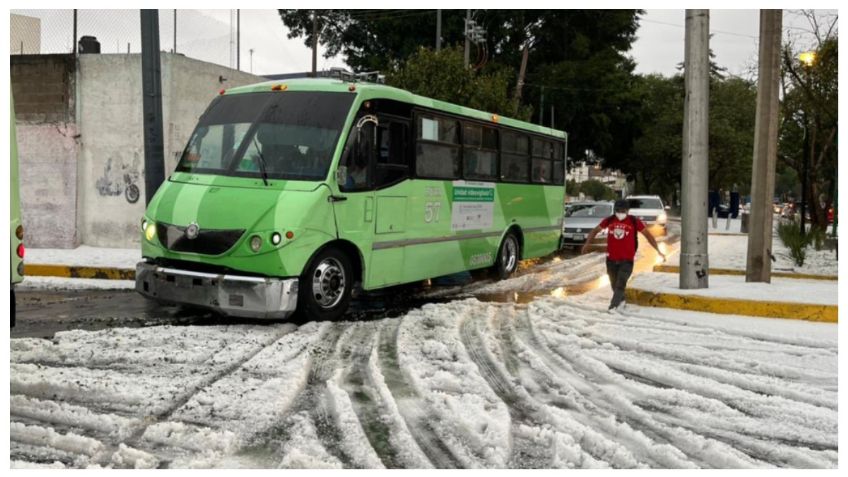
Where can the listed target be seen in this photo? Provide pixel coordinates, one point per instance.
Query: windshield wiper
(261, 162)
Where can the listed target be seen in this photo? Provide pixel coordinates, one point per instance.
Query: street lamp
(807, 58)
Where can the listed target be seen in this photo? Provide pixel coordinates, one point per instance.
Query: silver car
(581, 218)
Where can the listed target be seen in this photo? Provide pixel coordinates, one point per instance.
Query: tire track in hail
(523, 410)
(409, 402)
(583, 379)
(310, 401)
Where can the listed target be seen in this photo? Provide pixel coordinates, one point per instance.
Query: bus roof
(390, 92)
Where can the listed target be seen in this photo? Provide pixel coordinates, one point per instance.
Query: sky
(207, 35)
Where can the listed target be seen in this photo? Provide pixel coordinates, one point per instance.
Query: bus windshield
(292, 135)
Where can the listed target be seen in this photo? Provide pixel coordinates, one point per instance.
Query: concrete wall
(43, 88)
(111, 161)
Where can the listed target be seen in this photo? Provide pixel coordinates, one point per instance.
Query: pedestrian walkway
(799, 299)
(82, 262)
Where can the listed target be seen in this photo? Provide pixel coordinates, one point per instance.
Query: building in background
(81, 142)
(614, 179)
(24, 35)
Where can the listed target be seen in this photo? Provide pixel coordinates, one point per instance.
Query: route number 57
(431, 211)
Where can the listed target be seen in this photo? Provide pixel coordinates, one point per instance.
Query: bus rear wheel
(325, 286)
(508, 254)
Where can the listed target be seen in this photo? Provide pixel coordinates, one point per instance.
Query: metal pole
(694, 260)
(758, 268)
(552, 116)
(151, 85)
(75, 35)
(438, 30)
(805, 176)
(467, 41)
(314, 44)
(542, 107)
(251, 60)
(238, 39)
(175, 31)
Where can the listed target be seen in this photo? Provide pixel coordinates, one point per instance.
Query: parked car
(651, 210)
(581, 218)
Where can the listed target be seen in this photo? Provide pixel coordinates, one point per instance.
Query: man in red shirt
(622, 242)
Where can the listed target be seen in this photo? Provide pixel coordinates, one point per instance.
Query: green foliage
(442, 75)
(578, 56)
(596, 190)
(797, 243)
(809, 119)
(790, 235)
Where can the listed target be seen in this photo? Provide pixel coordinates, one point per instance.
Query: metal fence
(207, 35)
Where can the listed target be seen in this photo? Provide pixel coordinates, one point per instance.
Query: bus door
(391, 169)
(372, 213)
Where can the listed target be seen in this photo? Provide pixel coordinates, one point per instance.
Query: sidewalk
(83, 262)
(728, 256)
(798, 299)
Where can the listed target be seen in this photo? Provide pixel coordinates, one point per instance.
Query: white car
(649, 209)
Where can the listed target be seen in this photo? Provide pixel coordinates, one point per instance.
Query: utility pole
(151, 87)
(75, 35)
(542, 107)
(238, 39)
(805, 176)
(466, 31)
(175, 31)
(694, 260)
(314, 44)
(521, 71)
(438, 30)
(758, 268)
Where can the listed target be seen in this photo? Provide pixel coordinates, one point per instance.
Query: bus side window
(392, 161)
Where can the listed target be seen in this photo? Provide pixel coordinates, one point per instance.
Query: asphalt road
(42, 313)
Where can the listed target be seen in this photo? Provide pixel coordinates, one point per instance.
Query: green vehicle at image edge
(291, 195)
(16, 249)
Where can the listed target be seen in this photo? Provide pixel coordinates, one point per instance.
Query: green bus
(289, 196)
(16, 249)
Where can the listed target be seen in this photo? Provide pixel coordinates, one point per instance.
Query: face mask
(620, 215)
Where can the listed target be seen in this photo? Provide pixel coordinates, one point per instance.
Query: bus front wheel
(325, 286)
(508, 254)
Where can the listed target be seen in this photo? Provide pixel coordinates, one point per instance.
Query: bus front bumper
(233, 295)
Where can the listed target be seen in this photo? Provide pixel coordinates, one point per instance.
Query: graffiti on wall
(120, 177)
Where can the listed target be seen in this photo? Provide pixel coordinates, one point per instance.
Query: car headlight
(149, 231)
(662, 218)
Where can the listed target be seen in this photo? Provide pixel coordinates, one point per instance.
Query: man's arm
(589, 239)
(652, 241)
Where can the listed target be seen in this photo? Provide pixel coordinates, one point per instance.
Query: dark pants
(619, 272)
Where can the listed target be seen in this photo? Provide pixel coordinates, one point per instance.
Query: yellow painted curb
(732, 306)
(729, 271)
(73, 271)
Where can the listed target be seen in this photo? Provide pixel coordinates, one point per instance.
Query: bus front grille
(207, 242)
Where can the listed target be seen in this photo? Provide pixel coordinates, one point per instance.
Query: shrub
(790, 235)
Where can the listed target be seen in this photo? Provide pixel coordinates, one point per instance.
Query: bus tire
(508, 255)
(325, 286)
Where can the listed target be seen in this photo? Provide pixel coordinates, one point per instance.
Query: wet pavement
(42, 313)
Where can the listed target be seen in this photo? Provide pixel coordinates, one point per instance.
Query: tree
(442, 75)
(577, 56)
(597, 190)
(809, 116)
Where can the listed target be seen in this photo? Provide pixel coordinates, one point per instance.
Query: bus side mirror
(341, 176)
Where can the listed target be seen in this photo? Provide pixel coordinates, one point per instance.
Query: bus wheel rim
(328, 283)
(511, 252)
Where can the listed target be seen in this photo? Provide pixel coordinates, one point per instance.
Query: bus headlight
(19, 232)
(143, 225)
(276, 238)
(150, 231)
(255, 243)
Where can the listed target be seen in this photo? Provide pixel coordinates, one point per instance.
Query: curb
(74, 271)
(730, 271)
(732, 306)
